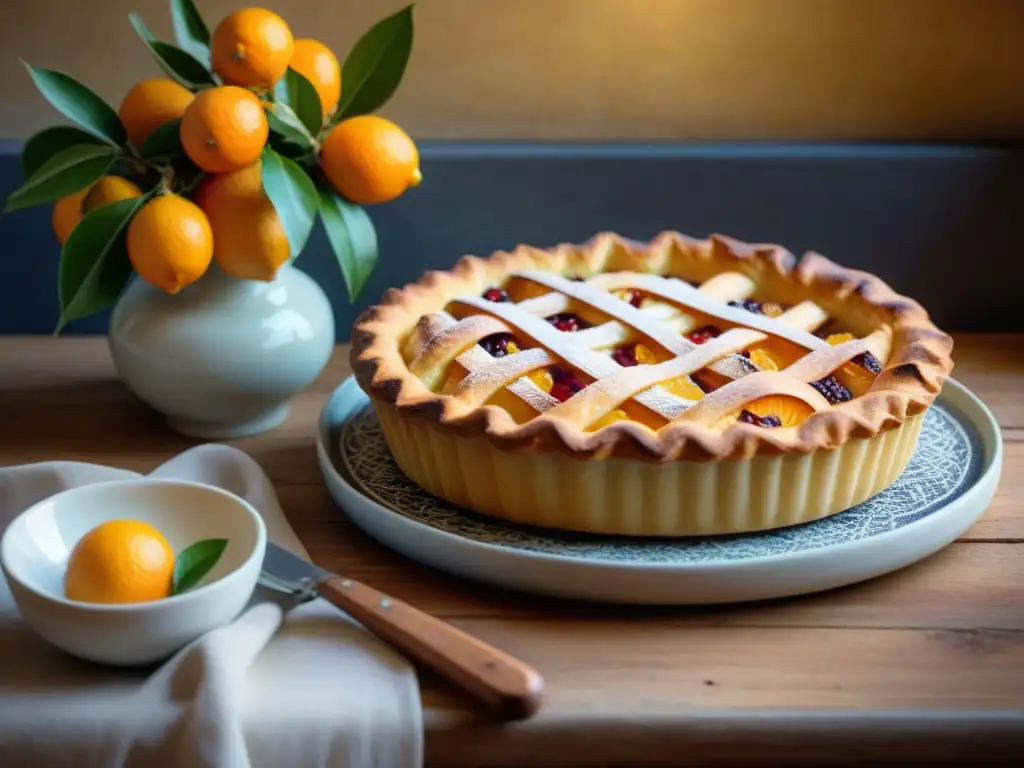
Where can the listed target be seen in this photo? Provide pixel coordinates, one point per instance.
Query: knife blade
(284, 564)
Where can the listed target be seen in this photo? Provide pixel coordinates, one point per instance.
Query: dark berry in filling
(832, 390)
(567, 321)
(703, 335)
(578, 279)
(869, 361)
(748, 304)
(626, 356)
(566, 388)
(497, 344)
(768, 422)
(633, 297)
(496, 295)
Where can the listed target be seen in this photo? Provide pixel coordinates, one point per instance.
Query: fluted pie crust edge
(630, 498)
(912, 377)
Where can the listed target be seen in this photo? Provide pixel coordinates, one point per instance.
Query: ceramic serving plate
(946, 487)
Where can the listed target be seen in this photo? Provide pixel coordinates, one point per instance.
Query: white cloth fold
(280, 686)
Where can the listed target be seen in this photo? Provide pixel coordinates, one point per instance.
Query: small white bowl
(35, 547)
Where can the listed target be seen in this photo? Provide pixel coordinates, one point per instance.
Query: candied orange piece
(521, 289)
(790, 411)
(542, 378)
(644, 356)
(763, 359)
(643, 415)
(609, 418)
(517, 408)
(683, 386)
(854, 375)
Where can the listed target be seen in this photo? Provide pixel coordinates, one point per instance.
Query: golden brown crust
(918, 366)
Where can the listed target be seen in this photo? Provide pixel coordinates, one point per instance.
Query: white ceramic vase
(222, 358)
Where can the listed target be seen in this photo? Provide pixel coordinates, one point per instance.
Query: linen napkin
(280, 686)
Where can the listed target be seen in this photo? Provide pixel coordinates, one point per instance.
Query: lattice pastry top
(673, 349)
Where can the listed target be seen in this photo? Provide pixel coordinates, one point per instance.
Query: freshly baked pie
(670, 388)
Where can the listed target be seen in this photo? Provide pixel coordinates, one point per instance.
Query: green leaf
(178, 64)
(301, 97)
(195, 562)
(164, 142)
(94, 265)
(375, 66)
(284, 122)
(352, 236)
(287, 144)
(76, 102)
(67, 171)
(293, 195)
(189, 29)
(48, 142)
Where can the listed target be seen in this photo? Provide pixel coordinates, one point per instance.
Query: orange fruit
(791, 411)
(109, 189)
(170, 243)
(249, 240)
(315, 62)
(67, 212)
(149, 104)
(224, 129)
(252, 48)
(852, 375)
(120, 561)
(368, 159)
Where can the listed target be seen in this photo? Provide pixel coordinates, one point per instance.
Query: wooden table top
(925, 664)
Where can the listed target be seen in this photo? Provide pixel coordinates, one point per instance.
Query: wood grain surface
(925, 664)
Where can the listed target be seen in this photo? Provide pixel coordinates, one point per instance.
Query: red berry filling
(633, 297)
(497, 344)
(626, 356)
(566, 384)
(567, 321)
(703, 335)
(563, 390)
(496, 295)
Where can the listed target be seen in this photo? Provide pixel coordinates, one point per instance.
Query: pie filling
(635, 346)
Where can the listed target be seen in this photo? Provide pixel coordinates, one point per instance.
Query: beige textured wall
(584, 69)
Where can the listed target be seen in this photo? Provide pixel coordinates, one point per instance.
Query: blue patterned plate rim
(961, 443)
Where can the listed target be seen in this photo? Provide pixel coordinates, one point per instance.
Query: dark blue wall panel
(940, 223)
